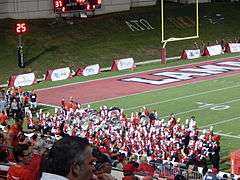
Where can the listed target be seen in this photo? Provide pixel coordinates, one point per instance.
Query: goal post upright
(163, 51)
(162, 20)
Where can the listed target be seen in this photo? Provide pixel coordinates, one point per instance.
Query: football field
(210, 91)
(214, 103)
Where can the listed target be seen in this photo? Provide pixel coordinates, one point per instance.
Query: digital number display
(21, 28)
(76, 5)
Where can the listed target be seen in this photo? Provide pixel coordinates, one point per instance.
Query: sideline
(134, 73)
(107, 69)
(155, 103)
(155, 90)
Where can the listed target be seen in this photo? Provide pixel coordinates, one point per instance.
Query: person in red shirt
(67, 106)
(22, 170)
(128, 172)
(145, 167)
(3, 118)
(14, 132)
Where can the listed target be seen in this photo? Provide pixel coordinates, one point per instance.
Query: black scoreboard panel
(76, 5)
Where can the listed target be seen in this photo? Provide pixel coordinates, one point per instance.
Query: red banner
(213, 50)
(58, 74)
(88, 70)
(22, 80)
(121, 64)
(191, 54)
(232, 47)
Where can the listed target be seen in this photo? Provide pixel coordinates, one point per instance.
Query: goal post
(163, 51)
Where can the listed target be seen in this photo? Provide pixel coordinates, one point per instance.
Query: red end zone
(113, 87)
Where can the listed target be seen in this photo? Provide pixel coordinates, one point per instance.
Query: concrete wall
(194, 1)
(138, 3)
(26, 9)
(32, 9)
(190, 1)
(109, 6)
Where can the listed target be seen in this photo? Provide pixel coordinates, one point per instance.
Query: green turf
(183, 101)
(53, 43)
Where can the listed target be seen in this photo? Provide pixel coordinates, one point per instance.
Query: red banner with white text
(88, 70)
(232, 47)
(191, 54)
(121, 64)
(58, 74)
(22, 80)
(213, 50)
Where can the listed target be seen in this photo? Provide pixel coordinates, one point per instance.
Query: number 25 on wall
(21, 28)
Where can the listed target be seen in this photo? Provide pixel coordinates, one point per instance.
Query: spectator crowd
(142, 143)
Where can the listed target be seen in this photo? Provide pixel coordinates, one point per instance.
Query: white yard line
(122, 75)
(228, 135)
(221, 122)
(206, 107)
(183, 97)
(49, 105)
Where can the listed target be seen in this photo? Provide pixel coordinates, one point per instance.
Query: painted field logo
(212, 106)
(139, 25)
(187, 73)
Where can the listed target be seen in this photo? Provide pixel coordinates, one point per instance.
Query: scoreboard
(61, 6)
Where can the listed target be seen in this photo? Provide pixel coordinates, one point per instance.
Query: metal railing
(169, 170)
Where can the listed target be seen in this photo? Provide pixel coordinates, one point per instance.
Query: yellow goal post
(165, 41)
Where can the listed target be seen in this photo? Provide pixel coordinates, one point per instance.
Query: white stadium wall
(33, 9)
